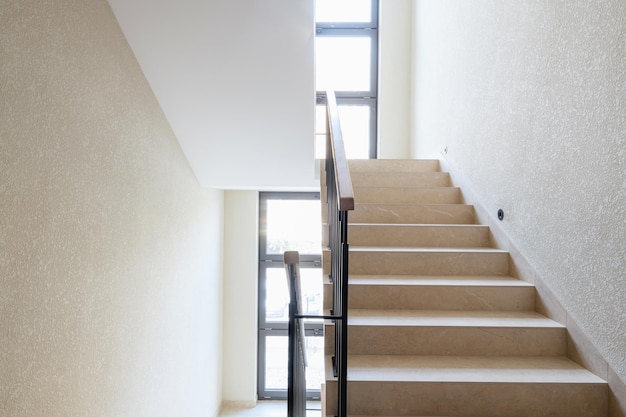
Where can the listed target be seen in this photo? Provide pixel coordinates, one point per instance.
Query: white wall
(394, 79)
(241, 209)
(529, 97)
(110, 250)
(241, 267)
(235, 80)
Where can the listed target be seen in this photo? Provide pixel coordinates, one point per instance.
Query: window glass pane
(343, 11)
(355, 129)
(277, 294)
(355, 126)
(320, 119)
(320, 146)
(293, 225)
(276, 355)
(311, 283)
(320, 132)
(342, 63)
(276, 362)
(315, 362)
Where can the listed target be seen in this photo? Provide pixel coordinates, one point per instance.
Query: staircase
(437, 325)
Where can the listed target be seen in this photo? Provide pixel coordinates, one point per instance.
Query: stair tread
(421, 280)
(474, 318)
(414, 204)
(409, 188)
(545, 369)
(418, 225)
(424, 249)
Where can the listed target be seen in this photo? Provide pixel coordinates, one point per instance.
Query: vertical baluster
(296, 372)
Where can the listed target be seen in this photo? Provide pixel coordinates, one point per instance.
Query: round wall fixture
(500, 214)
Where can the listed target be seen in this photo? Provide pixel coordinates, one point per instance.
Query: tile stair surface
(437, 326)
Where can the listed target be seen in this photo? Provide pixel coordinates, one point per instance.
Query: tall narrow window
(288, 221)
(346, 61)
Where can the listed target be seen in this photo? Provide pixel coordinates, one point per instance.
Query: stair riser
(420, 179)
(454, 236)
(404, 195)
(452, 340)
(425, 263)
(395, 179)
(472, 298)
(434, 214)
(440, 195)
(471, 399)
(393, 165)
(412, 214)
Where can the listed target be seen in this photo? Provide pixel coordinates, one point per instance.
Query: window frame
(367, 98)
(279, 328)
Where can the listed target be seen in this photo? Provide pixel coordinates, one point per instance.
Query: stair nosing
(438, 281)
(426, 249)
(356, 203)
(442, 225)
(451, 318)
(456, 369)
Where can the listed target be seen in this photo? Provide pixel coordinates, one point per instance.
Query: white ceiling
(235, 80)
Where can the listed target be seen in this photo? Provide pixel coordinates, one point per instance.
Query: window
(346, 60)
(288, 221)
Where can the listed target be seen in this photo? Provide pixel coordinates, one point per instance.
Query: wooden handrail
(345, 193)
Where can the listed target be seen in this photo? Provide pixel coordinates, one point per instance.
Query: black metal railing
(340, 199)
(296, 368)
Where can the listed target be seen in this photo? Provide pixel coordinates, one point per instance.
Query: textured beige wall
(394, 75)
(241, 277)
(110, 252)
(529, 97)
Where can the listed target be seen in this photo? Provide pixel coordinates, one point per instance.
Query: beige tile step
(412, 213)
(400, 179)
(393, 165)
(490, 293)
(423, 261)
(469, 386)
(471, 333)
(458, 235)
(407, 195)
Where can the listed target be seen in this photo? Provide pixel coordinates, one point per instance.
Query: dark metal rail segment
(296, 374)
(340, 199)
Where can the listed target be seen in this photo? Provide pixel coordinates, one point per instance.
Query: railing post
(344, 302)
